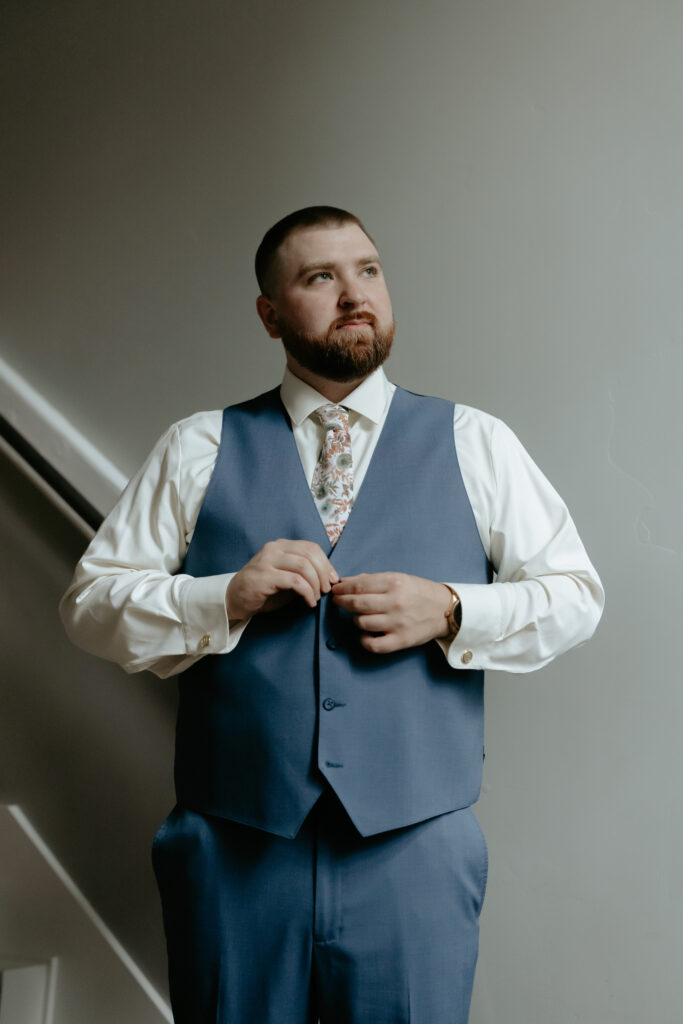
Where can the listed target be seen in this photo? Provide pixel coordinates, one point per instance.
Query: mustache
(369, 318)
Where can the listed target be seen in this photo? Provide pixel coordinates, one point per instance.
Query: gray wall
(519, 163)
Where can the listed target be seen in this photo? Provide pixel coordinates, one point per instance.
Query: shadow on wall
(85, 749)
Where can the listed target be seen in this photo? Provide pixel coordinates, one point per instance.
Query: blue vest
(399, 737)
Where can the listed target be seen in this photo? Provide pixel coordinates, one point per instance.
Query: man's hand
(405, 610)
(279, 570)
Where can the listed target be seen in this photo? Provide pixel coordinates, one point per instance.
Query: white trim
(51, 994)
(90, 912)
(58, 441)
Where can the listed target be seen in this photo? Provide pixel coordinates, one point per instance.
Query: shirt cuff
(482, 625)
(205, 616)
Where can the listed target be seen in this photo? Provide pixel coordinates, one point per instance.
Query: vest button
(329, 704)
(331, 644)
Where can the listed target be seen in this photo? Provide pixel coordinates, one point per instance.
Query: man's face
(331, 307)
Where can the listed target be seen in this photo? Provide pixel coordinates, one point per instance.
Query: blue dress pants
(327, 926)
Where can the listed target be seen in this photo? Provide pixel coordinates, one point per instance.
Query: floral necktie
(332, 485)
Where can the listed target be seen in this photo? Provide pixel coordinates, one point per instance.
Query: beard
(340, 355)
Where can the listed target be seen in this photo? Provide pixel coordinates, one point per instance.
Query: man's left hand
(404, 610)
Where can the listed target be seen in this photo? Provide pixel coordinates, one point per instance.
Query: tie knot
(332, 417)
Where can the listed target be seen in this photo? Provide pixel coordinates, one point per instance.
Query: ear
(266, 310)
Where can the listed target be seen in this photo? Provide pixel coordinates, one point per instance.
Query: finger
(326, 572)
(385, 644)
(373, 623)
(300, 564)
(364, 583)
(285, 580)
(360, 604)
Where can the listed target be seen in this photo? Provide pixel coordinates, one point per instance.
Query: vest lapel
(373, 489)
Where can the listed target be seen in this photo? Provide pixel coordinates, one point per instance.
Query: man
(318, 564)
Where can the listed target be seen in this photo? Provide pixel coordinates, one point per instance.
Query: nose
(352, 294)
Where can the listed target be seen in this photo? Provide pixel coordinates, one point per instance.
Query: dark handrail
(59, 484)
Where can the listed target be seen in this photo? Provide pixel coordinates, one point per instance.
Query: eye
(320, 275)
(371, 271)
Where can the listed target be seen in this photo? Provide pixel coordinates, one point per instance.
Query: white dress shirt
(128, 602)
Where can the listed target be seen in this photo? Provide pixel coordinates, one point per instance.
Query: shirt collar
(369, 399)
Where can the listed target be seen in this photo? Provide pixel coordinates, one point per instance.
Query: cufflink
(466, 657)
(205, 641)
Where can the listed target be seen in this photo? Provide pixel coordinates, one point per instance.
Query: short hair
(308, 217)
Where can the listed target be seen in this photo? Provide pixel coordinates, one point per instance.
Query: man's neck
(333, 390)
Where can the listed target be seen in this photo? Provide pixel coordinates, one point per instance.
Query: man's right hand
(279, 570)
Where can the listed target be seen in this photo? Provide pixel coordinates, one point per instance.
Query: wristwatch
(453, 615)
